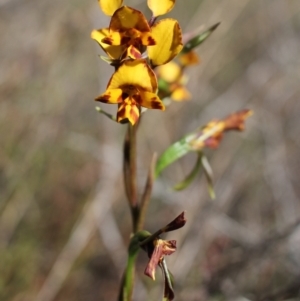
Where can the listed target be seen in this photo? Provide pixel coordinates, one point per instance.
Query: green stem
(129, 277)
(126, 288)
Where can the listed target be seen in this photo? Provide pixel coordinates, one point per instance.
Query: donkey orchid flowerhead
(129, 30)
(130, 34)
(132, 86)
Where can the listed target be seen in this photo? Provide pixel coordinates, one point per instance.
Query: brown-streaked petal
(126, 18)
(128, 110)
(113, 38)
(149, 100)
(112, 96)
(114, 52)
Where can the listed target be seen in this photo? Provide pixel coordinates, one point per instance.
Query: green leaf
(209, 176)
(188, 180)
(198, 39)
(180, 149)
(173, 153)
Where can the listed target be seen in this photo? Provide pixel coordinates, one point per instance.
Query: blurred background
(64, 221)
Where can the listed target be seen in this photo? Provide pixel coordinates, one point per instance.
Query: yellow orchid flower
(132, 86)
(129, 27)
(130, 34)
(128, 30)
(173, 75)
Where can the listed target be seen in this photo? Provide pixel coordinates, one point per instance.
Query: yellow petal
(126, 18)
(111, 96)
(110, 6)
(180, 94)
(113, 52)
(136, 73)
(129, 111)
(113, 38)
(160, 7)
(169, 72)
(167, 35)
(150, 100)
